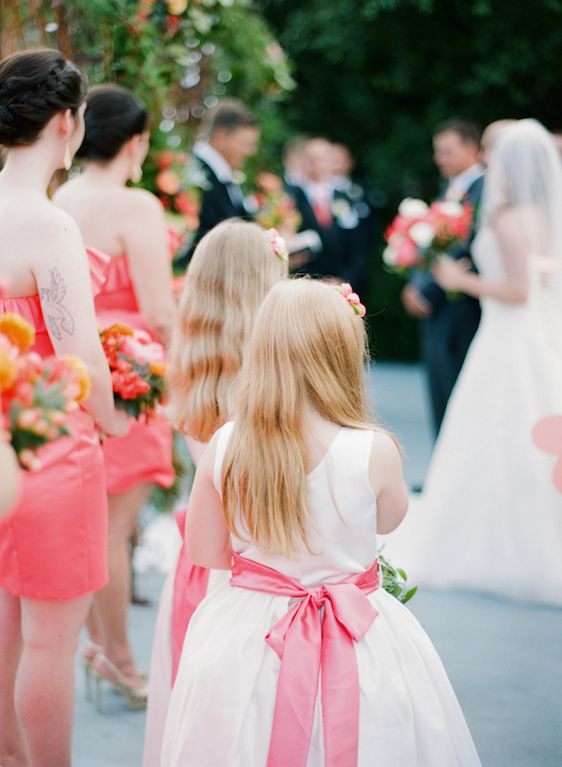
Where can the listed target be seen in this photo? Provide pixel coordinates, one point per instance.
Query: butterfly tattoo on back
(57, 316)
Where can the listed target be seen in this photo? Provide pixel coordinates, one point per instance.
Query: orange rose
(168, 182)
(83, 379)
(269, 183)
(176, 7)
(17, 331)
(8, 364)
(158, 368)
(118, 329)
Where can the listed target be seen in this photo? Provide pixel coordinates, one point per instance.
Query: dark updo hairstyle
(113, 116)
(34, 87)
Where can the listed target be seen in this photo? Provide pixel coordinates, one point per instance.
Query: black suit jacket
(342, 254)
(219, 202)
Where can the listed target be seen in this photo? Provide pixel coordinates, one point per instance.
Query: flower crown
(278, 244)
(352, 298)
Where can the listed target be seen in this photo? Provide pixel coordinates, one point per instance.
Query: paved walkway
(504, 659)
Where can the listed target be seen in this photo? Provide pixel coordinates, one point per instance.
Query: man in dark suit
(329, 212)
(343, 166)
(229, 136)
(448, 323)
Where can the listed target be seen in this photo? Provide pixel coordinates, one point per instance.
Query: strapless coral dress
(53, 546)
(145, 453)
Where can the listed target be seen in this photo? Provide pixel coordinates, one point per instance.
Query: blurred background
(376, 75)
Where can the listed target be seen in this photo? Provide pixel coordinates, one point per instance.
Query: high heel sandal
(104, 670)
(88, 653)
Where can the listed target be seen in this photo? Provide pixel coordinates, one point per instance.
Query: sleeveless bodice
(489, 261)
(117, 293)
(342, 507)
(29, 307)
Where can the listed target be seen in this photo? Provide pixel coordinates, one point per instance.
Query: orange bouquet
(138, 369)
(36, 394)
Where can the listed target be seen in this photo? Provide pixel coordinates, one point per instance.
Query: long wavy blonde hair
(231, 271)
(308, 348)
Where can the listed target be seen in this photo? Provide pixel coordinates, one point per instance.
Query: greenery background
(379, 74)
(375, 74)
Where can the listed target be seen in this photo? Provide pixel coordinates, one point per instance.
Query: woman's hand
(119, 424)
(450, 274)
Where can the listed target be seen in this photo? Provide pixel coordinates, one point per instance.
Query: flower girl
(232, 270)
(303, 659)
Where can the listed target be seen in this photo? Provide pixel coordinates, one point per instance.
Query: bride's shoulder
(516, 217)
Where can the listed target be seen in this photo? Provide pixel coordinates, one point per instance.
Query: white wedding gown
(490, 517)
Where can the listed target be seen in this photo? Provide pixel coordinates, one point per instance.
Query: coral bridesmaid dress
(145, 453)
(54, 544)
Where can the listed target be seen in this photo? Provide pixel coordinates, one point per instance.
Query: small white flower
(340, 207)
(389, 256)
(450, 208)
(422, 234)
(412, 208)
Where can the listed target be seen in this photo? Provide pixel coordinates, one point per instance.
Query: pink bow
(316, 634)
(190, 587)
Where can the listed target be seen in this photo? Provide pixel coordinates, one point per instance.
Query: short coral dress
(145, 453)
(53, 546)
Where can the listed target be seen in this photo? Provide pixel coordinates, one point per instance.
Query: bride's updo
(34, 87)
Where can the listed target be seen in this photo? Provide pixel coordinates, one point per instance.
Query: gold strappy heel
(88, 652)
(105, 670)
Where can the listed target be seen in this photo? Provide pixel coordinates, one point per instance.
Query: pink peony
(406, 252)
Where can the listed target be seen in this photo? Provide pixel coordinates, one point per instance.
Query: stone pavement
(504, 659)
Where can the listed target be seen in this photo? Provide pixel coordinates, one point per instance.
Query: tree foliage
(379, 74)
(179, 56)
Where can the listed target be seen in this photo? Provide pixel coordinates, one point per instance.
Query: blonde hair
(232, 270)
(307, 347)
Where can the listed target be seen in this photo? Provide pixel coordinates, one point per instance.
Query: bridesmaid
(129, 226)
(232, 270)
(53, 544)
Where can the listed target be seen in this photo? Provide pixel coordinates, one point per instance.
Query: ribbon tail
(297, 690)
(340, 693)
(190, 588)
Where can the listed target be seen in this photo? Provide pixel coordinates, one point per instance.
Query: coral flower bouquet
(421, 233)
(36, 394)
(276, 209)
(138, 369)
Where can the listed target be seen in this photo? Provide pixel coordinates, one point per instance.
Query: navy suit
(343, 253)
(446, 335)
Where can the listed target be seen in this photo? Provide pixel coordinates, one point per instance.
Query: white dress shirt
(459, 185)
(214, 159)
(222, 170)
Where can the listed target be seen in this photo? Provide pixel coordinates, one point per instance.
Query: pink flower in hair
(352, 298)
(278, 244)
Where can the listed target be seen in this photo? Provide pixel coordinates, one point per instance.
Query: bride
(490, 517)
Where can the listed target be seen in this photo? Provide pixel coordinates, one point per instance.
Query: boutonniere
(196, 175)
(344, 213)
(340, 207)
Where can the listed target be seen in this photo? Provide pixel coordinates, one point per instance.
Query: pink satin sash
(309, 639)
(190, 588)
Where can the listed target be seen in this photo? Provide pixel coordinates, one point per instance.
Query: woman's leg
(112, 602)
(44, 692)
(12, 742)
